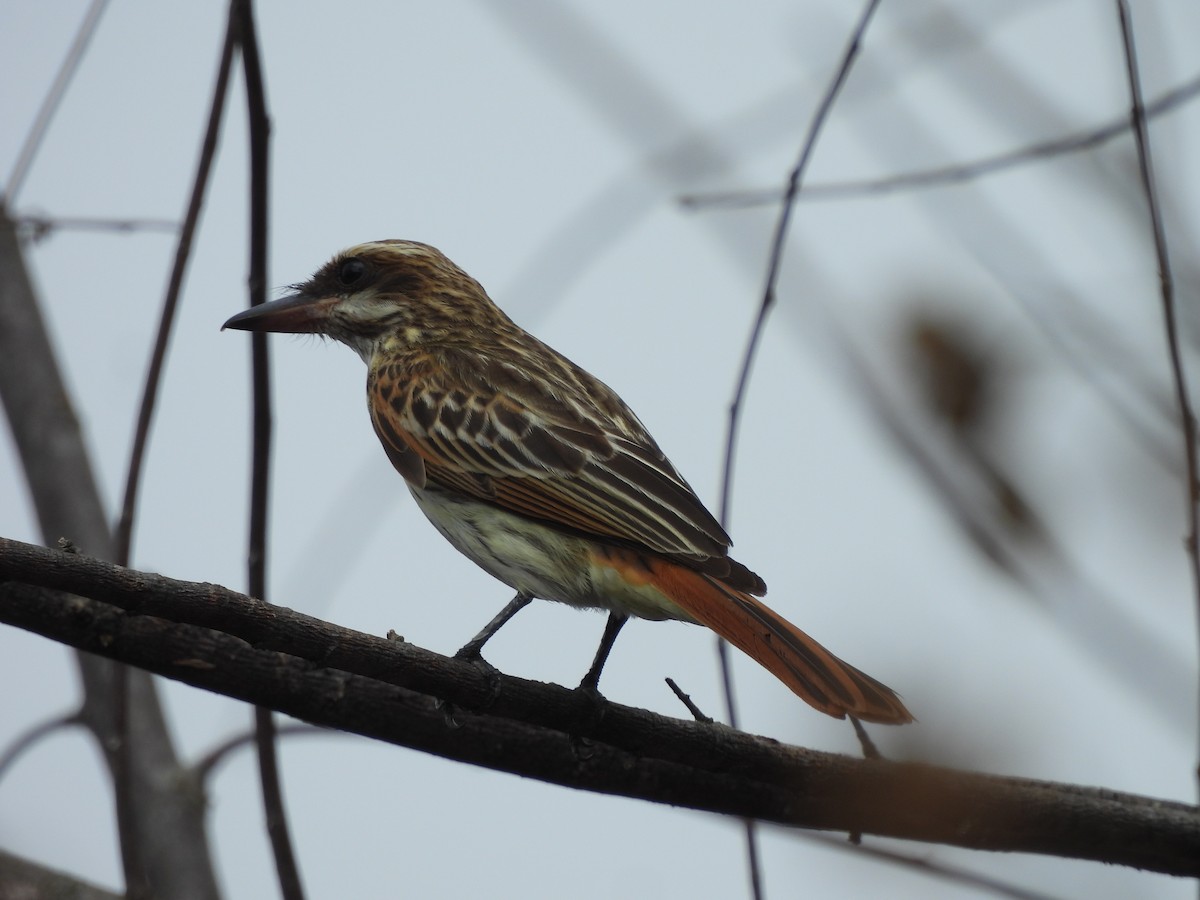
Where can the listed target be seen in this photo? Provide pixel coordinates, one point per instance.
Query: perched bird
(539, 472)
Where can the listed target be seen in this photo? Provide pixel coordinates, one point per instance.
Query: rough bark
(214, 638)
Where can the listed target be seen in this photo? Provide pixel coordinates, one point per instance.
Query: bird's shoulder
(519, 425)
(517, 379)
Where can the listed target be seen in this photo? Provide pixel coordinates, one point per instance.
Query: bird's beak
(293, 314)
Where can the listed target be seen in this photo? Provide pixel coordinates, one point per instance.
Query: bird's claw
(593, 706)
(469, 654)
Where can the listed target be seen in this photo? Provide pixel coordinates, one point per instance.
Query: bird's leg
(612, 628)
(471, 649)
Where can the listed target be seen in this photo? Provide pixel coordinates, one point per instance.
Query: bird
(539, 472)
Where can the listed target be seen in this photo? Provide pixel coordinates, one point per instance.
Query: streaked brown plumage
(538, 471)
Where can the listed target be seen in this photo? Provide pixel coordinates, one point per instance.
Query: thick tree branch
(214, 638)
(166, 820)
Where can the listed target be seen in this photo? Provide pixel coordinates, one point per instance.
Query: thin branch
(336, 677)
(183, 252)
(35, 734)
(137, 879)
(37, 228)
(768, 300)
(753, 861)
(778, 242)
(49, 107)
(286, 866)
(954, 174)
(1167, 291)
(686, 700)
(935, 870)
(204, 767)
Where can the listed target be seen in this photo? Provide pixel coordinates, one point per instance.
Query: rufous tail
(812, 672)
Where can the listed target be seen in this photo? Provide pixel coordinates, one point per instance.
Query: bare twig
(778, 242)
(687, 701)
(183, 252)
(54, 96)
(774, 264)
(39, 227)
(1166, 287)
(935, 870)
(204, 766)
(137, 879)
(955, 174)
(35, 734)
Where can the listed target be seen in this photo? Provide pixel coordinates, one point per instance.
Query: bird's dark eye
(351, 272)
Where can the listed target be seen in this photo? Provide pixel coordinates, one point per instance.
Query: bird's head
(375, 293)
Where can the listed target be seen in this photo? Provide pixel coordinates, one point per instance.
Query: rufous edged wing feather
(553, 459)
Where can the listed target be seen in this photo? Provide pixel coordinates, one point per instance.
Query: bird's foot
(592, 707)
(470, 654)
(471, 651)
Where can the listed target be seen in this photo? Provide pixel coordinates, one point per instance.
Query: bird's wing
(557, 446)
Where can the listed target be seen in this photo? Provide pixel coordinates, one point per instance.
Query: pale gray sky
(544, 147)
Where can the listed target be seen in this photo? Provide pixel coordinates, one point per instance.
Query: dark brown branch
(213, 638)
(242, 11)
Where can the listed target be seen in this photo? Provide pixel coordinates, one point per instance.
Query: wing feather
(557, 445)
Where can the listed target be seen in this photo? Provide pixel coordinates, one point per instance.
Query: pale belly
(538, 560)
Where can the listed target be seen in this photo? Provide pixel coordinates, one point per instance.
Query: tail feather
(812, 672)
